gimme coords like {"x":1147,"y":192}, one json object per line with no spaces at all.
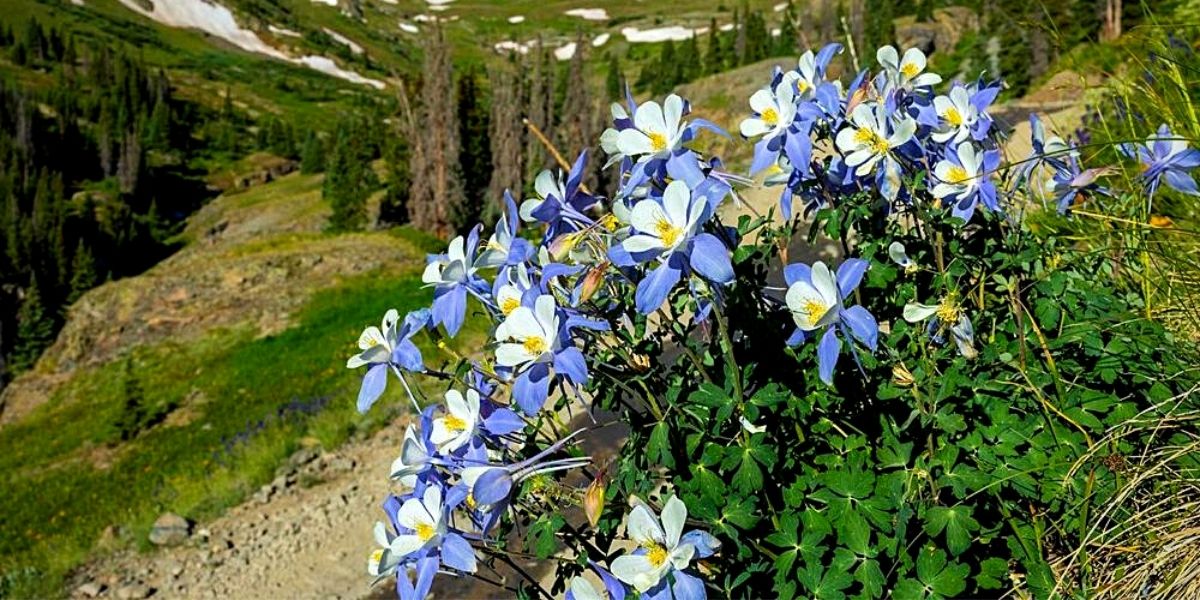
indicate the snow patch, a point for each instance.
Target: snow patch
{"x":516,"y":19}
{"x":332,"y":3}
{"x":780,"y":7}
{"x":77,"y":2}
{"x":675,"y":33}
{"x":283,"y":31}
{"x":588,"y":14}
{"x":565,"y":52}
{"x":433,"y":3}
{"x":726,"y":27}
{"x":510,"y":46}
{"x":425,"y":18}
{"x":343,"y":40}
{"x":218,"y":21}
{"x":600,"y":40}
{"x":327,"y":66}
{"x":439,"y":7}
{"x":409,"y":28}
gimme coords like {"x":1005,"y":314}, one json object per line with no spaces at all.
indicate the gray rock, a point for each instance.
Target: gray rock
{"x":302,"y":457}
{"x":91,"y":589}
{"x":170,"y":529}
{"x":135,"y":591}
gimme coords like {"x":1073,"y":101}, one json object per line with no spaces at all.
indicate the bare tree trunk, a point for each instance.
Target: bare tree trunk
{"x":437,"y":192}
{"x":507,"y":141}
{"x":576,"y":132}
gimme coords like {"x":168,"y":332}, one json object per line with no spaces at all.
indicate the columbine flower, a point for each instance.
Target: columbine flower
{"x":815,"y":297}
{"x":560,"y":204}
{"x":908,"y":72}
{"x":1166,"y":158}
{"x":385,"y":561}
{"x":452,"y":276}
{"x":1069,"y":185}
{"x":656,"y":131}
{"x":424,"y":531}
{"x":531,"y":345}
{"x":810,"y":71}
{"x":899,"y":255}
{"x":872,"y":137}
{"x":490,"y":485}
{"x":1052,"y":151}
{"x":947,"y":315}
{"x":956,"y":116}
{"x":415,"y":458}
{"x":773,"y":112}
{"x":668,"y":232}
{"x":964,"y":177}
{"x":504,"y":248}
{"x":454,"y":429}
{"x":663,"y":550}
{"x":384,"y":347}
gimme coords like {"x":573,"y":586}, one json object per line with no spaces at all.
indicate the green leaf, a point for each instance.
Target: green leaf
{"x":749,"y":476}
{"x":871,"y":577}
{"x":956,"y":522}
{"x":855,"y":532}
{"x":657,"y":448}
{"x":992,"y":573}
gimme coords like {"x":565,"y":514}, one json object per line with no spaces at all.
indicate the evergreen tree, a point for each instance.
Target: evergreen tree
{"x":476,"y":155}
{"x":739,"y":37}
{"x":789,"y":38}
{"x":345,"y":188}
{"x":691,"y":61}
{"x":713,"y":57}
{"x":35,"y":328}
{"x":613,"y":88}
{"x":312,"y":157}
{"x":83,"y":273}
{"x":393,"y":210}
{"x":134,"y":414}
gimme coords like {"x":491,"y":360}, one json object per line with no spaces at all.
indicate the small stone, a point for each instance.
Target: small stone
{"x":135,"y":591}
{"x":302,"y":457}
{"x":170,"y":529}
{"x":91,"y":589}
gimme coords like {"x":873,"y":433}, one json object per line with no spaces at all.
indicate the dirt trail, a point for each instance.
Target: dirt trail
{"x":289,"y":541}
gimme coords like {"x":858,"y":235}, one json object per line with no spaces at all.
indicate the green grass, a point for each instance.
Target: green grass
{"x":66,"y":476}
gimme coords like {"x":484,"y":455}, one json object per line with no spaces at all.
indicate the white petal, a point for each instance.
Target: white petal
{"x":646,"y":216}
{"x":545,"y":185}
{"x":753,"y":126}
{"x":649,"y":118}
{"x":527,"y":208}
{"x":943,"y":190}
{"x":674,"y":515}
{"x":412,"y":513}
{"x":512,"y":355}
{"x":633,"y":570}
{"x":439,"y":434}
{"x":433,"y":501}
{"x":404,"y":545}
{"x":522,"y":324}
{"x":472,"y":406}
{"x":888,"y":57}
{"x":799,"y":297}
{"x":582,"y":590}
{"x":846,"y":141}
{"x":381,"y":535}
{"x":918,"y":312}
{"x":545,"y":310}
{"x":672,"y":114}
{"x":457,"y":250}
{"x":432,"y":273}
{"x":634,"y":142}
{"x":681,"y":556}
{"x":457,"y":405}
{"x":676,"y":200}
{"x":643,"y":527}
{"x":825,"y":282}
{"x":639,"y":243}
{"x":914,"y":57}
{"x":762,"y":100}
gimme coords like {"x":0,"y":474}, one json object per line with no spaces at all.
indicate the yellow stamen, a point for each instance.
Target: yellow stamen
{"x":909,"y":70}
{"x":377,"y":556}
{"x":535,"y":346}
{"x":471,"y":501}
{"x":948,"y":311}
{"x":872,"y":139}
{"x":815,"y":310}
{"x":508,"y":305}
{"x":770,"y":117}
{"x":454,"y":423}
{"x":658,"y":141}
{"x":424,"y":531}
{"x":956,"y":175}
{"x":802,"y":85}
{"x":668,"y":233}
{"x":657,"y":555}
{"x":953,"y":117}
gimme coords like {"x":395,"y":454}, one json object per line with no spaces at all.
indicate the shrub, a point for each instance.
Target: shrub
{"x":930,"y":418}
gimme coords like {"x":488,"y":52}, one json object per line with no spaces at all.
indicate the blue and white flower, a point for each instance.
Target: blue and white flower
{"x":663,"y":550}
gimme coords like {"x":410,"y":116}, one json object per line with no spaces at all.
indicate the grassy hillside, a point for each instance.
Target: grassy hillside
{"x":190,"y":408}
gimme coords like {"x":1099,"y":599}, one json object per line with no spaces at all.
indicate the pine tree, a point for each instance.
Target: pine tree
{"x":83,"y":273}
{"x":691,"y":62}
{"x":35,"y":328}
{"x":713,"y":57}
{"x":789,"y":38}
{"x":613,"y":88}
{"x":476,"y":154}
{"x":134,"y":414}
{"x":344,"y":188}
{"x":739,"y":37}
{"x":312,"y":157}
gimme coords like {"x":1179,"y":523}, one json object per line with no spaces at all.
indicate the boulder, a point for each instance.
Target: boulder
{"x":170,"y":529}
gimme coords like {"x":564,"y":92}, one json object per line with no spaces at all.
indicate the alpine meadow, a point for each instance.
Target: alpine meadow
{"x":812,"y":299}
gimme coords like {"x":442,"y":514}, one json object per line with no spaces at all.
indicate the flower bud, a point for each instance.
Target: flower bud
{"x":901,"y":376}
{"x":591,"y":282}
{"x":561,"y":246}
{"x":593,"y":498}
